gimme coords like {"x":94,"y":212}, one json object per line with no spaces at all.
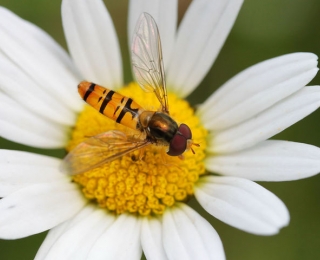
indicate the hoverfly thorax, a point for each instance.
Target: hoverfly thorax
{"x":162,"y":127}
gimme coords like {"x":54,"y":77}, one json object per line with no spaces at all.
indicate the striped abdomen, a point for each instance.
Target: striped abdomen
{"x":119,"y":108}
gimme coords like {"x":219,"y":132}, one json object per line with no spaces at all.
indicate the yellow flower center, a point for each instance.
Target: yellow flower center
{"x":144,"y":181}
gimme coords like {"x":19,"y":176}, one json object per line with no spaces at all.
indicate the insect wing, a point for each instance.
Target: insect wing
{"x":147,"y":62}
{"x":98,"y":150}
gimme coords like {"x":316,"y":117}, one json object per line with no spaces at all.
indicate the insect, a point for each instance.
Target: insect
{"x":157,"y":127}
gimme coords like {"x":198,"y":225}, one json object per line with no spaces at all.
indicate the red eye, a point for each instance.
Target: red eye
{"x":185,"y":131}
{"x":178,"y":145}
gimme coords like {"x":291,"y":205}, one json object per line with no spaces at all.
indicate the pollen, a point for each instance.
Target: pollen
{"x":145,"y":181}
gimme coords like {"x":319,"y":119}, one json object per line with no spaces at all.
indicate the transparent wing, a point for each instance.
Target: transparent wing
{"x":98,"y":150}
{"x":147,"y":63}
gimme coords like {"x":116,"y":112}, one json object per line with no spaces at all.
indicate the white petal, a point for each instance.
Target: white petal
{"x":11,"y":157}
{"x":256,"y":89}
{"x":151,"y":239}
{"x":50,"y":239}
{"x":268,"y":123}
{"x":242,"y":204}
{"x":19,"y":125}
{"x":92,"y":41}
{"x":187,"y":235}
{"x":269,"y":161}
{"x":120,"y":241}
{"x":200,"y":37}
{"x":77,"y":241}
{"x":37,"y":208}
{"x":165,"y":13}
{"x":55,"y":233}
{"x":20,"y":87}
{"x":40,"y":57}
{"x":21,"y":169}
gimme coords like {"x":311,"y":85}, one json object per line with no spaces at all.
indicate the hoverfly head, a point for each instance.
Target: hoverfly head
{"x":181,"y":141}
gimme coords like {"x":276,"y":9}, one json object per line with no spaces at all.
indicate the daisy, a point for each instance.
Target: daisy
{"x":130,"y":205}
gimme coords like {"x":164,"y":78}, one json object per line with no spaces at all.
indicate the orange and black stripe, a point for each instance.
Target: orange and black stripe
{"x":115,"y":106}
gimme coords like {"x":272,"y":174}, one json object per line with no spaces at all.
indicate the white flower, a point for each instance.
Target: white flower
{"x":39,"y":104}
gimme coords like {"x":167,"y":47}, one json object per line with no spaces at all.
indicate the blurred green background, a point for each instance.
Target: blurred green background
{"x":264,"y":29}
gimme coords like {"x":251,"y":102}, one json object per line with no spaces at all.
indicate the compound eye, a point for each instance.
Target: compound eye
{"x":185,"y":131}
{"x":177,"y":145}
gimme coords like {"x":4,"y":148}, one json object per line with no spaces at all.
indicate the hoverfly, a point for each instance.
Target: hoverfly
{"x":157,"y":127}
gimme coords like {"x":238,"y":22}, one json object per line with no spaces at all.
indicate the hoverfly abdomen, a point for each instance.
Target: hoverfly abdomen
{"x":115,"y":106}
